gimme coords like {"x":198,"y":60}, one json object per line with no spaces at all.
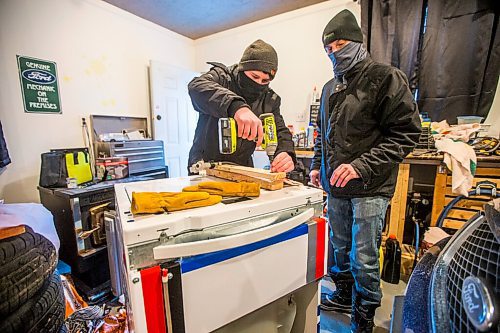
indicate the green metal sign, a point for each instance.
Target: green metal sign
{"x":39,"y":85}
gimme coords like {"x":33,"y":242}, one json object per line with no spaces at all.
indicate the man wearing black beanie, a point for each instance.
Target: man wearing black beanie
{"x":242,"y":92}
{"x":368,"y":122}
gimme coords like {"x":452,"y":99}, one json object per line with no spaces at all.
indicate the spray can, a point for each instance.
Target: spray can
{"x":310,"y":137}
{"x":315,"y":96}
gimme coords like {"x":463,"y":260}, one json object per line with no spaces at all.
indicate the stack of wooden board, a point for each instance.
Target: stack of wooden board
{"x":266,"y":179}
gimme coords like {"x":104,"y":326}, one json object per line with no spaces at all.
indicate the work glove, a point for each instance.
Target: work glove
{"x":227,"y":189}
{"x":159,"y":202}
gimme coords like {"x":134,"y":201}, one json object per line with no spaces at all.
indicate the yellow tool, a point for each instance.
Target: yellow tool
{"x":270,"y":142}
{"x":228,"y":135}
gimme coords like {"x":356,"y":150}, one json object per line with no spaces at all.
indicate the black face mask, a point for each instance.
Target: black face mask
{"x":249,"y":89}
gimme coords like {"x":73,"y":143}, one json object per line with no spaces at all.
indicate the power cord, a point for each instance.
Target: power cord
{"x":88,"y":143}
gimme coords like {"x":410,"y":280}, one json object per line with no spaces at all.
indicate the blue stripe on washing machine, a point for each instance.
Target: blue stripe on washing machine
{"x":199,"y":261}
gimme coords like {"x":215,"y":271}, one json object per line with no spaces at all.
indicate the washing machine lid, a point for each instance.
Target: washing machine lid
{"x":145,"y":228}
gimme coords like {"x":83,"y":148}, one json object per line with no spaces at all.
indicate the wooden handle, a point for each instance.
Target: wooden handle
{"x":12,"y":231}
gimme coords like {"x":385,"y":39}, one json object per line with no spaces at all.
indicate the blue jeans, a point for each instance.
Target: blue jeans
{"x":356,"y":233}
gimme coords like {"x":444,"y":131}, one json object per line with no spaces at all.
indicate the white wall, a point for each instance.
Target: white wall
{"x":102,"y":55}
{"x":494,"y":116}
{"x":296,"y":36}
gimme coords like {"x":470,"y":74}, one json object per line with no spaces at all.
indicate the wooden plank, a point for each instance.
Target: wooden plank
{"x":453,"y":224}
{"x":398,"y":203}
{"x":439,"y":194}
{"x":254,"y":172}
{"x":460,"y":214}
{"x":304,"y":153}
{"x":476,"y":180}
{"x":489,"y":172}
{"x":12,"y":231}
{"x":467,"y":203}
{"x":264,"y":183}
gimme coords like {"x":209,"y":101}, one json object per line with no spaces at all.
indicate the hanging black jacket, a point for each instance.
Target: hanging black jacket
{"x":4,"y":153}
{"x":215,"y":95}
{"x":372,"y":124}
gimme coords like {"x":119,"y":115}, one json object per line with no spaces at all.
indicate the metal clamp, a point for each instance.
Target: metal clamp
{"x":201,"y":166}
{"x":485,"y":185}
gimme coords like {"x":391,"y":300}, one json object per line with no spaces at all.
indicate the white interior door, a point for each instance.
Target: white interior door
{"x":174,"y":119}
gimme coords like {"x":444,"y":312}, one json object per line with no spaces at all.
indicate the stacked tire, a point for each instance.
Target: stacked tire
{"x":31,"y":294}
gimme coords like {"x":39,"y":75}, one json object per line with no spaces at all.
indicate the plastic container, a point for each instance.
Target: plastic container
{"x":484,"y":130}
{"x":469,"y":120}
{"x":392,"y":260}
{"x":71,"y":182}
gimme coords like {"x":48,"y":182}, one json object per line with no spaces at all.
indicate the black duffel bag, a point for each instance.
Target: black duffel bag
{"x":59,"y":164}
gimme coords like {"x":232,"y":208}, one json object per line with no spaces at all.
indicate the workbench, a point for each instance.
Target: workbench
{"x":488,"y":168}
{"x":304,"y":154}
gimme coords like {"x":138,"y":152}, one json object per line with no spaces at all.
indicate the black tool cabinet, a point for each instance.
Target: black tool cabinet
{"x":79,"y":219}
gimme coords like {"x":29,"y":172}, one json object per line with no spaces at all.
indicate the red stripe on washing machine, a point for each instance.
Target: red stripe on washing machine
{"x":320,"y":247}
{"x":153,"y":299}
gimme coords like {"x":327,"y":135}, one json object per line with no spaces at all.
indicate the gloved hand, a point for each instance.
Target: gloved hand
{"x":159,"y":202}
{"x":227,"y":189}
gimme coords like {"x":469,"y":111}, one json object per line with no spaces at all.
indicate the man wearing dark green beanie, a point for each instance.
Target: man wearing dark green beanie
{"x":368,"y":123}
{"x":242,"y":92}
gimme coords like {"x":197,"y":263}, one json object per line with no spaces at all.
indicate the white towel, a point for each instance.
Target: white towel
{"x":461,"y":132}
{"x":31,"y":214}
{"x":461,"y":159}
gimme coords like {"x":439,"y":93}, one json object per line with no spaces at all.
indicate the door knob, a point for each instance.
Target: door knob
{"x":158,"y":117}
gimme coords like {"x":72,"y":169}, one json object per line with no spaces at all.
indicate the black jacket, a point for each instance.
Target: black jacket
{"x":4,"y":153}
{"x":215,"y":95}
{"x":371,"y":124}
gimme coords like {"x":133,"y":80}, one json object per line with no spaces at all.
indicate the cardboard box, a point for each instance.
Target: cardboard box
{"x":112,"y":168}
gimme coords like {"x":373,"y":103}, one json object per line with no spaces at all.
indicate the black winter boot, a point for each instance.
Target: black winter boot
{"x":340,"y":300}
{"x":362,"y":317}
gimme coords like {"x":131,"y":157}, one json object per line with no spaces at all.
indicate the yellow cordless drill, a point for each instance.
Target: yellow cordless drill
{"x":228,"y":135}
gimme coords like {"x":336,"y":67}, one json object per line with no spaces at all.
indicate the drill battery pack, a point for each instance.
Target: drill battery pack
{"x":227,"y":135}
{"x":269,"y":127}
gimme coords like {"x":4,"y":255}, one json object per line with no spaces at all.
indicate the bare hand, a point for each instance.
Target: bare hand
{"x":282,"y":163}
{"x":314,"y":176}
{"x":249,"y":125}
{"x":342,"y":175}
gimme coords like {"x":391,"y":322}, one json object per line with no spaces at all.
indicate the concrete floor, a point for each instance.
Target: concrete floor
{"x":340,"y":323}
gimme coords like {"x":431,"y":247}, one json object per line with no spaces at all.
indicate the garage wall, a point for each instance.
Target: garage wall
{"x":102,"y":55}
{"x":494,"y":115}
{"x":296,"y":36}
